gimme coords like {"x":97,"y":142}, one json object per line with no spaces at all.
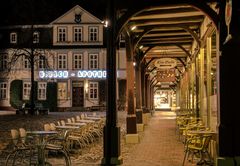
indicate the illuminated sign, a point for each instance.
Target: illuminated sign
{"x":67,"y":74}
{"x":165,"y":63}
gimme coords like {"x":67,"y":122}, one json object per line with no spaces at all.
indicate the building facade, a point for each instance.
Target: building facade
{"x":69,"y":57}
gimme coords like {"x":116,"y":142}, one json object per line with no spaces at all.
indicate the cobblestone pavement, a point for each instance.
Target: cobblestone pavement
{"x":159,"y":144}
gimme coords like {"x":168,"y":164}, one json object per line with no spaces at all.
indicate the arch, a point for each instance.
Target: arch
{"x":136,"y":9}
{"x":149,"y":29}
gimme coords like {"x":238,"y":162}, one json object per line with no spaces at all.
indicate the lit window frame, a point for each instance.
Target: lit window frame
{"x":36,"y":37}
{"x":62,"y":61}
{"x":93,"y":90}
{"x":26,"y":63}
{"x":77,"y":61}
{"x":42,"y":63}
{"x":93,"y":61}
{"x":42,"y":90}
{"x":26,"y":90}
{"x":78,"y":34}
{"x":3,"y":90}
{"x":3,"y":61}
{"x":93,"y":34}
{"x":13,"y":37}
{"x":62,"y":34}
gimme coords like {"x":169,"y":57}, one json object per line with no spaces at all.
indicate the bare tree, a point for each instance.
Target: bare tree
{"x":34,"y":57}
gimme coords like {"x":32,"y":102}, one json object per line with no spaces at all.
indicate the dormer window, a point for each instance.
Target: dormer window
{"x":13,"y":37}
{"x":62,"y":34}
{"x":36,"y":36}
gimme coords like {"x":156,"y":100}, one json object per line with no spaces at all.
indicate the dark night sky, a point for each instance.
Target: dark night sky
{"x":15,"y":12}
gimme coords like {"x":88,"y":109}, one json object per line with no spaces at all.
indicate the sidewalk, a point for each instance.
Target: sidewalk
{"x":160,"y":145}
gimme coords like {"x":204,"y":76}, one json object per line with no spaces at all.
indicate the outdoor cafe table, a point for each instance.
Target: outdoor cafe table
{"x":41,"y":143}
{"x":93,"y":118}
{"x":201,"y":132}
{"x":76,"y":124}
{"x":85,"y":121}
{"x":65,"y":129}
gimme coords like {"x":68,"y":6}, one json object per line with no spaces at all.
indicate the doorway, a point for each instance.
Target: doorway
{"x":77,"y":94}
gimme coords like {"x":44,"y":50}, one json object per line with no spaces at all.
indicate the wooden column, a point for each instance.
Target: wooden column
{"x":112,"y":151}
{"x":138,"y":93}
{"x":131,"y":109}
{"x":229,"y":127}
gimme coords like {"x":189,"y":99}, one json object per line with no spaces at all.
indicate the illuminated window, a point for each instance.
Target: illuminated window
{"x":3,"y":90}
{"x":62,"y":34}
{"x":42,"y":62}
{"x":77,"y":34}
{"x":26,"y":90}
{"x":3,"y":61}
{"x":77,"y":60}
{"x":62,"y":61}
{"x":93,"y":90}
{"x":36,"y":36}
{"x":42,"y":90}
{"x":62,"y":90}
{"x":93,"y":34}
{"x":13,"y":37}
{"x":93,"y":61}
{"x":26,"y":63}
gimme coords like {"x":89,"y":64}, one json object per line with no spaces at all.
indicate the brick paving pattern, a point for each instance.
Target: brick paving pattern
{"x":159,"y":145}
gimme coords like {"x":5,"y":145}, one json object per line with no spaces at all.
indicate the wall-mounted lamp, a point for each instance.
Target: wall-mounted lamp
{"x":133,"y":27}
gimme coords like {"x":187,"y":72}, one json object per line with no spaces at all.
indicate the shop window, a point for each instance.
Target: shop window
{"x":93,"y":90}
{"x":3,"y":90}
{"x":26,"y":90}
{"x":62,"y":90}
{"x":42,"y":90}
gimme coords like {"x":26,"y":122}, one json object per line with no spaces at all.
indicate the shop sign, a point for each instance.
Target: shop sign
{"x":165,"y":63}
{"x":64,"y":74}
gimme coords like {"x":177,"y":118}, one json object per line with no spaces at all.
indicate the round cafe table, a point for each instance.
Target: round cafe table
{"x":41,"y":143}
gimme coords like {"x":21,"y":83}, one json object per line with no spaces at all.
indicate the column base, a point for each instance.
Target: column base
{"x":112,"y":150}
{"x":132,"y":138}
{"x":228,"y":161}
{"x":140,"y":127}
{"x":113,"y":160}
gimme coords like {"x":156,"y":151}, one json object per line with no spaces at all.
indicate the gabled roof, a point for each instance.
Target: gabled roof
{"x":69,"y":16}
{"x":40,"y":12}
